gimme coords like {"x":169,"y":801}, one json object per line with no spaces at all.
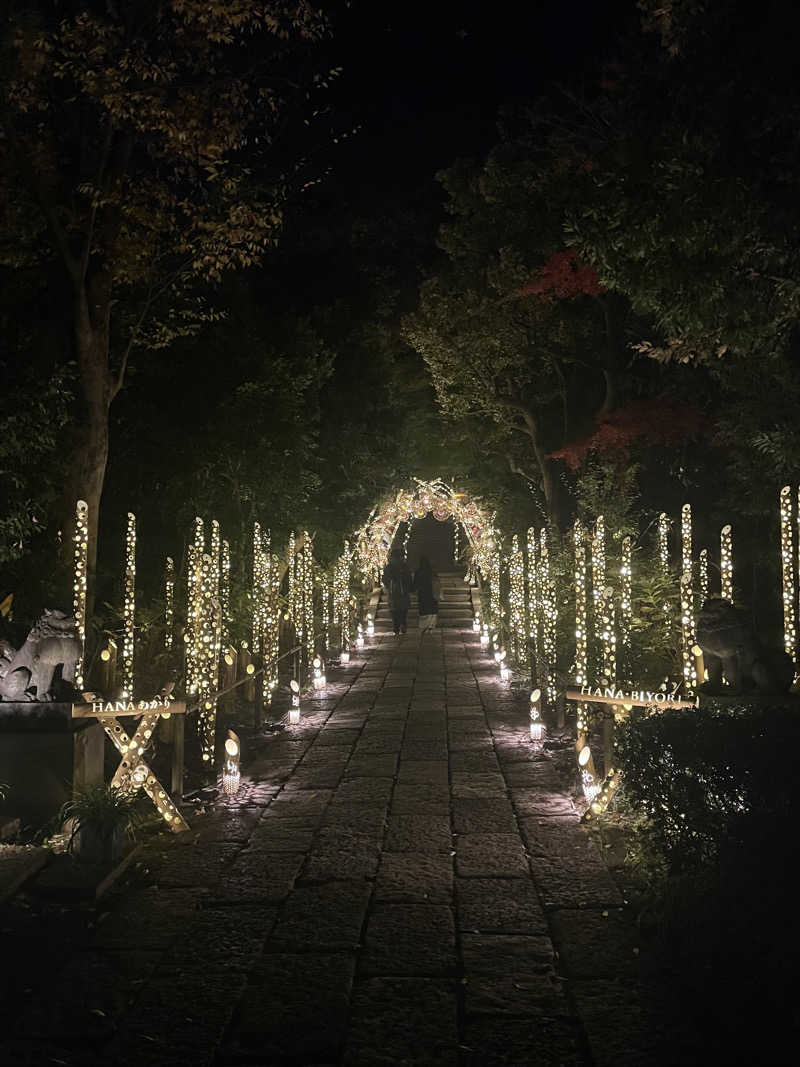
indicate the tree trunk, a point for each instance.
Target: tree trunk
{"x":92,"y":307}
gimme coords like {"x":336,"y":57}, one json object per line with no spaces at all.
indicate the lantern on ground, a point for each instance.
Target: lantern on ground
{"x":537,"y":726}
{"x":370,"y":626}
{"x":294,"y":710}
{"x":344,"y":656}
{"x":485,"y":636}
{"x":476,"y":624}
{"x":319,"y":674}
{"x":590,"y":786}
{"x":359,"y":637}
{"x":231,"y":774}
{"x":505,"y":671}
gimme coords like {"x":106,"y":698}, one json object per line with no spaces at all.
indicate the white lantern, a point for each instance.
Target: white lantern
{"x":345,"y":656}
{"x":294,"y":710}
{"x":476,"y":624}
{"x":485,"y":636}
{"x":537,"y":726}
{"x":370,"y":626}
{"x":231,"y":774}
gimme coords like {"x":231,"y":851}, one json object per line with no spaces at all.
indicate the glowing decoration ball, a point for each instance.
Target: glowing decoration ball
{"x":231,"y":775}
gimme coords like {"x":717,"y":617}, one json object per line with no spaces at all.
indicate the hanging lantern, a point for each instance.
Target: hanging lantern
{"x":231,"y":774}
{"x":537,"y":726}
{"x":294,"y":710}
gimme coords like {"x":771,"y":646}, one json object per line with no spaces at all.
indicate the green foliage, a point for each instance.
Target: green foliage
{"x":706,"y":778}
{"x":36,"y":412}
{"x":101,"y":810}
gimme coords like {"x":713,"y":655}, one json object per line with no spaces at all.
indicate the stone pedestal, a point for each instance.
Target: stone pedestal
{"x":45,"y":754}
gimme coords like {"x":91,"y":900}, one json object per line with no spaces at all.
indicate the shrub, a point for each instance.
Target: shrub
{"x":709,"y":778}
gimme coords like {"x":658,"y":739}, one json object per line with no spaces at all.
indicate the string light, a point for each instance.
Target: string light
{"x":726,"y":563}
{"x":225,"y":592}
{"x":663,"y":564}
{"x":687,"y":602}
{"x":581,"y":624}
{"x":129,"y":607}
{"x":598,"y":559}
{"x":194,"y":608}
{"x":308,"y":597}
{"x":703,"y":575}
{"x":325,"y":595}
{"x":272,"y":635}
{"x":549,"y":617}
{"x":626,"y":605}
{"x":169,"y":601}
{"x":456,"y":547}
{"x":207,"y":660}
{"x":516,"y":600}
{"x":534,"y":600}
{"x":81,"y":539}
{"x":787,"y":572}
{"x":495,"y":604}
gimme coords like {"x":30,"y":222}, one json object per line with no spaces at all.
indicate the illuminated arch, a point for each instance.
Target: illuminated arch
{"x":444,"y":502}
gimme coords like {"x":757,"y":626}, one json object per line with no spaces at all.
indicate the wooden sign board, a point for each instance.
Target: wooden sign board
{"x":112,"y":709}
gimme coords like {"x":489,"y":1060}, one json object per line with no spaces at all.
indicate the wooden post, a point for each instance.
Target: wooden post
{"x":88,"y":742}
{"x":108,"y":670}
{"x":176,"y":779}
{"x":227,"y":703}
{"x":608,"y":741}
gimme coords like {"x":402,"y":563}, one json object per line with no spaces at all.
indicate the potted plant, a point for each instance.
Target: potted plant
{"x":99,"y":818}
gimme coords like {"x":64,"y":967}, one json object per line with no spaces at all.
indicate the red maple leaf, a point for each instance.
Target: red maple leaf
{"x":563,"y":276}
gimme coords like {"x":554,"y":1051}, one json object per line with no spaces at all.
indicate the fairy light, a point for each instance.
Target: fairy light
{"x":598,"y":559}
{"x":549,"y":617}
{"x":663,"y":566}
{"x":292,"y":590}
{"x":456,"y":546}
{"x":169,"y":601}
{"x":81,"y":539}
{"x":129,"y":608}
{"x":225,"y":591}
{"x":207,"y":661}
{"x":581,"y":623}
{"x":516,"y":600}
{"x":308,"y":597}
{"x":687,"y":602}
{"x":703,"y":575}
{"x":215,"y":602}
{"x":341,"y":599}
{"x":194,"y":608}
{"x":787,"y":572}
{"x":625,"y":605}
{"x":325,"y":604}
{"x":495,"y":606}
{"x":534,"y":600}
{"x":726,"y":563}
{"x":273,"y":622}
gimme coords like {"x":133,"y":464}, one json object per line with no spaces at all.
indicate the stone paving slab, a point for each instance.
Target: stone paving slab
{"x":399,"y":882}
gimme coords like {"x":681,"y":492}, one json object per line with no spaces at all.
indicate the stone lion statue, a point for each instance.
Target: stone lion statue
{"x":731,"y":650}
{"x":27,"y":674}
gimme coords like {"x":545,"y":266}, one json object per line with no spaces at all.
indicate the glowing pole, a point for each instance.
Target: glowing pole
{"x":625,"y":607}
{"x":495,"y":607}
{"x":272,"y":639}
{"x":194,"y":608}
{"x":225,"y":591}
{"x":207,"y":660}
{"x":687,"y":602}
{"x":79,"y":584}
{"x":516,"y":600}
{"x":703,"y":575}
{"x":663,"y":563}
{"x":550,"y":617}
{"x":726,"y":563}
{"x":215,"y":603}
{"x":128,"y":609}
{"x":581,"y":623}
{"x":787,"y":573}
{"x":599,"y":588}
{"x":169,"y":601}
{"x":533,"y":604}
{"x":308,"y":597}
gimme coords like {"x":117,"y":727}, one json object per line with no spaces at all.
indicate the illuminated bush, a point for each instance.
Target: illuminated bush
{"x":706,"y":778}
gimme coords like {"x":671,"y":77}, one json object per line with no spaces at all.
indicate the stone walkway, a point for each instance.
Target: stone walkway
{"x":399,"y":882}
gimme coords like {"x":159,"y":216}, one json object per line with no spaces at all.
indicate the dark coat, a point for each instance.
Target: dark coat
{"x":397,"y":583}
{"x":423,"y":583}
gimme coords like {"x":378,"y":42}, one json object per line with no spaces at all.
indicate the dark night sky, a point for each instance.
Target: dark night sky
{"x":424,"y":81}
